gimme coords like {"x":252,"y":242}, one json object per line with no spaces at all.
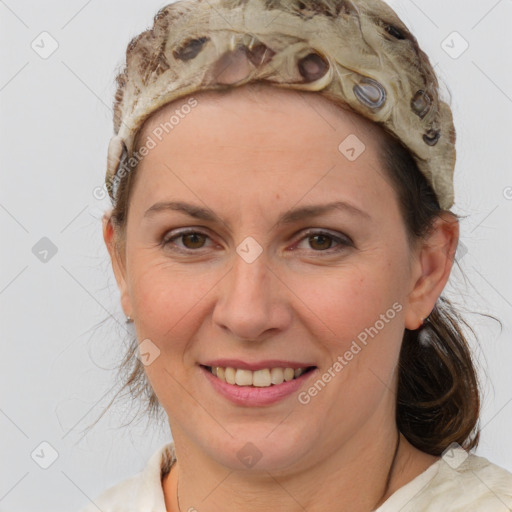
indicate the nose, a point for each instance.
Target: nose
{"x":252,"y":301}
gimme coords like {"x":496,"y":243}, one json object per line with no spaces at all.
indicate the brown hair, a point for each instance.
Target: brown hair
{"x":438,"y":399}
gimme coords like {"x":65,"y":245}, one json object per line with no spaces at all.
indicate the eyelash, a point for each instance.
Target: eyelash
{"x":343,"y":242}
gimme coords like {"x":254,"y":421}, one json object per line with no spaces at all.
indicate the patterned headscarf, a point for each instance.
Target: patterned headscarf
{"x":354,"y":52}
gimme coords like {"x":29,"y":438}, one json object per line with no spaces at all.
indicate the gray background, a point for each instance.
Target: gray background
{"x":55,"y":123}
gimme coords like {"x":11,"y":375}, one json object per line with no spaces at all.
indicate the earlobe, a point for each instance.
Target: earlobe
{"x":118,"y":263}
{"x":432,"y":269}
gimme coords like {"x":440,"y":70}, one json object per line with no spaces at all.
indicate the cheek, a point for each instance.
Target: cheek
{"x":166,"y":298}
{"x":349,"y":300}
{"x":170,"y":301}
{"x":167,"y":304}
{"x":357,"y":324}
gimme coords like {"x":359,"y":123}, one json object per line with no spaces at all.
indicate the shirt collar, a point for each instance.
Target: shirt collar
{"x":148,"y":494}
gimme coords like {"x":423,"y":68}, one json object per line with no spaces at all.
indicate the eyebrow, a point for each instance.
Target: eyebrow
{"x":288,"y":217}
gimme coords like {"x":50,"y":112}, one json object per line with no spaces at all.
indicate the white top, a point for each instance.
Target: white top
{"x":460,"y":483}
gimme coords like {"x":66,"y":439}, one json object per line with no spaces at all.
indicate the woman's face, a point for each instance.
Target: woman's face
{"x":298,"y":258}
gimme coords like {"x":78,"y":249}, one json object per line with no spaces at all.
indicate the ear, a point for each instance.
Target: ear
{"x":118,"y":262}
{"x":431,"y":269}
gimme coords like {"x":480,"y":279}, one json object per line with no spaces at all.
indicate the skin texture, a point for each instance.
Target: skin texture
{"x":251,"y":155}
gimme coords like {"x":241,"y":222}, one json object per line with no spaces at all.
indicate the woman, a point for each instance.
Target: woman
{"x":281,"y":177}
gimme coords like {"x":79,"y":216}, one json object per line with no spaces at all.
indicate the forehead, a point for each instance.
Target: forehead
{"x":250,"y":140}
{"x":263,"y":102}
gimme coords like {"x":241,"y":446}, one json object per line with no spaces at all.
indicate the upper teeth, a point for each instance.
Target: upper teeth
{"x":259,"y":378}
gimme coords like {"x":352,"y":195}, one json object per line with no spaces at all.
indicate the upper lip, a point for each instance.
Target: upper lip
{"x":256,"y":365}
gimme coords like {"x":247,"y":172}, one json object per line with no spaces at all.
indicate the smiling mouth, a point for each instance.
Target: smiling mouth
{"x":259,"y":378}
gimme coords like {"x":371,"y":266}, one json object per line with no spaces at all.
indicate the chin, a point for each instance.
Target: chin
{"x":269,"y":447}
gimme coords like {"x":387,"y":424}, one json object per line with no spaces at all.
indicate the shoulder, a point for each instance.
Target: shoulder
{"x":142,"y":492}
{"x":466,"y":482}
{"x":114,"y":498}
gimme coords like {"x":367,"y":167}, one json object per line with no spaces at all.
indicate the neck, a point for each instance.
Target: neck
{"x":356,"y":479}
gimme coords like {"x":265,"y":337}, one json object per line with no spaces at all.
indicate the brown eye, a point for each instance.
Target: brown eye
{"x":320,"y":242}
{"x":193,"y":240}
{"x":188,"y":241}
{"x":323,"y":241}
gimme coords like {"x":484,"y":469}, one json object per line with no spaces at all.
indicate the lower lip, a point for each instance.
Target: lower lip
{"x":254,"y":396}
